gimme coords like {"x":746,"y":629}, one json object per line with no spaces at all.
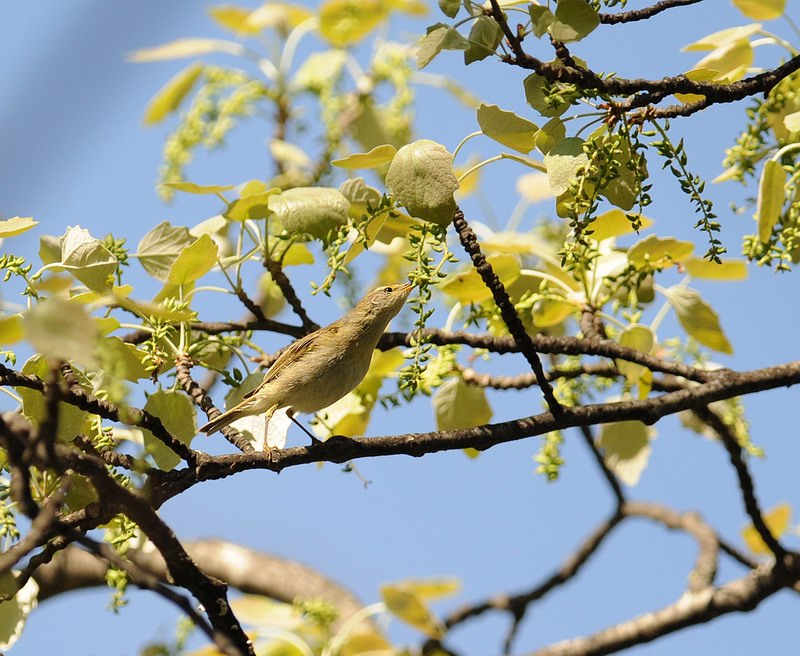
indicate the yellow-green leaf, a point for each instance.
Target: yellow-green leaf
{"x":459,"y":405}
{"x":433,"y":588}
{"x":176,"y":412}
{"x":468,"y":287}
{"x":563,"y":162}
{"x":659,"y":251}
{"x":289,"y":155}
{"x":170,"y":96}
{"x":378,"y":156}
{"x":310,"y":210}
{"x":186,"y":48}
{"x":550,"y":134}
{"x":87,"y":259}
{"x":549,"y":312}
{"x":507,"y":128}
{"x":160,"y":247}
{"x":15,"y":611}
{"x":723,"y":37}
{"x":626,"y":449}
{"x":484,"y":37}
{"x":234,"y":18}
{"x":422,"y":180}
{"x":122,"y":360}
{"x":574,"y":19}
{"x":192,"y":188}
{"x":195,"y":261}
{"x":534,"y":187}
{"x":770,"y":198}
{"x":792,"y":122}
{"x":16,"y":226}
{"x":345,"y":22}
{"x":614,"y":223}
{"x":777,"y":520}
{"x":638,"y":337}
{"x":278,"y":15}
{"x":253,"y":202}
{"x":62,"y":330}
{"x":410,"y":607}
{"x":698,"y":318}
{"x":761,"y":9}
{"x":724,"y":270}
{"x":11,"y":330}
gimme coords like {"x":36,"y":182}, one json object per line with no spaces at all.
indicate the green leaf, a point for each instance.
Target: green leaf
{"x":614,"y":223}
{"x":62,"y":330}
{"x":233,"y":18}
{"x":626,"y":448}
{"x":11,"y":329}
{"x":574,"y":19}
{"x":770,"y":198}
{"x":122,"y":360}
{"x":14,"y":612}
{"x":459,"y":405}
{"x":177,"y":414}
{"x":659,"y":251}
{"x":50,"y":249}
{"x":541,"y":19}
{"x":698,"y":318}
{"x":422,"y":180}
{"x":724,"y":270}
{"x":441,"y":37}
{"x":550,"y":134}
{"x":507,"y":128}
{"x":310,"y":210}
{"x":638,"y":337}
{"x":484,"y":37}
{"x":450,"y":7}
{"x":290,"y":156}
{"x":70,"y":417}
{"x":160,"y":247}
{"x":320,"y":70}
{"x":346,"y":22}
{"x":195,"y":261}
{"x":468,"y":287}
{"x":378,"y":156}
{"x":549,"y":312}
{"x":16,"y":226}
{"x":761,"y":9}
{"x":253,"y":202}
{"x":186,"y":48}
{"x":563,"y":162}
{"x":723,"y":37}
{"x":409,"y":606}
{"x":170,"y":96}
{"x":192,"y":188}
{"x":547,"y":104}
{"x":87,"y":259}
{"x":433,"y":588}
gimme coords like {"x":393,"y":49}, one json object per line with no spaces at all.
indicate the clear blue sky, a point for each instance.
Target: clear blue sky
{"x":75,"y":152}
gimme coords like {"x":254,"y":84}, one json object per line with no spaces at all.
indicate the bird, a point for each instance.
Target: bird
{"x":319,"y":369}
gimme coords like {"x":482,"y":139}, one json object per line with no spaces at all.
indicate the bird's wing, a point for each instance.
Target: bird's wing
{"x":296,"y":351}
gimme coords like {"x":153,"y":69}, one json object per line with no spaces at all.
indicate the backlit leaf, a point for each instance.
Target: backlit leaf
{"x":541,"y":19}
{"x":723,"y":37}
{"x":310,"y":210}
{"x":574,"y":19}
{"x":176,"y":412}
{"x":698,"y":318}
{"x":233,"y":18}
{"x":459,"y":405}
{"x":507,"y":128}
{"x":724,"y":270}
{"x":441,"y":37}
{"x":11,"y":330}
{"x":761,"y":9}
{"x":770,"y":198}
{"x":614,"y":223}
{"x":536,"y":88}
{"x":253,"y":202}
{"x":160,"y":247}
{"x":410,"y":607}
{"x":626,"y":449}
{"x":194,"y":261}
{"x":192,"y":188}
{"x":659,"y":251}
{"x":550,"y":134}
{"x":87,"y":259}
{"x":434,"y":588}
{"x":484,"y":37}
{"x":15,"y":611}
{"x":563,"y":162}
{"x":170,"y":96}
{"x":16,"y":226}
{"x":422,"y":180}
{"x":777,"y":520}
{"x":638,"y":337}
{"x":62,"y":330}
{"x":376,"y":157}
{"x":345,"y":22}
{"x":468,"y":287}
{"x":186,"y":48}
{"x":534,"y":187}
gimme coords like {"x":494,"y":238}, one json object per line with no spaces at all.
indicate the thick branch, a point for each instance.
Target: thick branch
{"x":645,"y":12}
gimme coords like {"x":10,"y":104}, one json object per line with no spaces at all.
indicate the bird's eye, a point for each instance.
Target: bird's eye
{"x":387,"y":289}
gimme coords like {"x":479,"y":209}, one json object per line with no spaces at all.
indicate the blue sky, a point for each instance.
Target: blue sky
{"x":75,"y":152}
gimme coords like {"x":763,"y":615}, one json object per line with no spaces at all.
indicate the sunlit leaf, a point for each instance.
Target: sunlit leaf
{"x":541,"y":19}
{"x":550,"y":134}
{"x":724,"y":270}
{"x":16,"y":226}
{"x":761,"y":9}
{"x":563,"y":162}
{"x":345,"y":22}
{"x":433,"y":588}
{"x":549,"y":312}
{"x":614,"y":223}
{"x":777,"y":520}
{"x":177,"y":414}
{"x":186,"y":48}
{"x":507,"y":128}
{"x":574,"y":20}
{"x":194,"y":261}
{"x":535,"y":94}
{"x":15,"y":611}
{"x":698,"y":318}
{"x":192,"y":188}
{"x":534,"y":187}
{"x":11,"y":329}
{"x":277,"y":15}
{"x":87,"y":259}
{"x":62,"y":330}
{"x":310,"y":210}
{"x":170,"y":96}
{"x":770,"y":198}
{"x":320,"y":70}
{"x":484,"y":37}
{"x":468,"y":287}
{"x":792,"y":122}
{"x":289,"y":155}
{"x":638,"y":337}
{"x":378,"y":156}
{"x":441,"y":37}
{"x":410,"y":607}
{"x":459,"y":405}
{"x":121,"y":359}
{"x":449,"y":7}
{"x":160,"y":247}
{"x":253,"y":202}
{"x":626,"y":449}
{"x":723,"y":37}
{"x":422,"y":180}
{"x":233,"y":18}
{"x":659,"y":251}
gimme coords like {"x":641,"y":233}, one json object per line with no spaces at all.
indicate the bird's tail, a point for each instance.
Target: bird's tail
{"x":225,"y":419}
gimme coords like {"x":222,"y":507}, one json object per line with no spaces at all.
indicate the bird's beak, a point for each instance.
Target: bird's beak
{"x":407,"y":287}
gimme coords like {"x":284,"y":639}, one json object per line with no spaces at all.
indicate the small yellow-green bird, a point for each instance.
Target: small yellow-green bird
{"x":322,"y":367}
